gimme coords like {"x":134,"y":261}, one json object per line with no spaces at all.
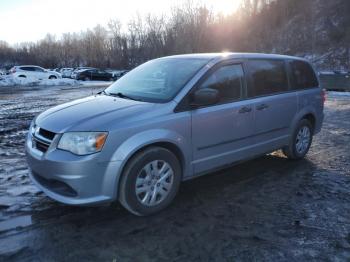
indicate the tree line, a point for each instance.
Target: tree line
{"x":278,"y":26}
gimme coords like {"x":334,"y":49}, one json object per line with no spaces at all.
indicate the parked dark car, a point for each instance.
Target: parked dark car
{"x":121,"y":73}
{"x":94,"y":74}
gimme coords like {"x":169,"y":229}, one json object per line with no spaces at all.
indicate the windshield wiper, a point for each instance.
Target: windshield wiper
{"x":103,"y":92}
{"x":121,"y":95}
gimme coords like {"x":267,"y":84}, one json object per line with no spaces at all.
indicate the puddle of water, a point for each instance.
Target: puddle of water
{"x":21,"y":221}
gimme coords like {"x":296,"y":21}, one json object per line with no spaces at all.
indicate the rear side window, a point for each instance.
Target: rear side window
{"x":267,"y":77}
{"x":302,"y":75}
{"x":38,"y":69}
{"x":228,"y":80}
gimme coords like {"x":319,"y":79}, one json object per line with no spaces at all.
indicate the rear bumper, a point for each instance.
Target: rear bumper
{"x":71,"y":179}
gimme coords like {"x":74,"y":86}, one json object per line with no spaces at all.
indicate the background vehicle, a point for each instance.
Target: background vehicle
{"x":34,"y":71}
{"x":172,"y":119}
{"x":66,"y":72}
{"x":93,"y":74}
{"x":121,"y":73}
{"x":74,"y":73}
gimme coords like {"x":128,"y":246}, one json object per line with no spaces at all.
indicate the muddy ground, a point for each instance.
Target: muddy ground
{"x":263,"y":210}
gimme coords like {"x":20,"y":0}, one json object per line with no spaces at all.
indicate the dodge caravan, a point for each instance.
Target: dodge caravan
{"x":173,"y":119}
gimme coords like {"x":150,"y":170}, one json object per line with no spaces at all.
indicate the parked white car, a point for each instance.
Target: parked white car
{"x":31,"y":71}
{"x":66,"y":72}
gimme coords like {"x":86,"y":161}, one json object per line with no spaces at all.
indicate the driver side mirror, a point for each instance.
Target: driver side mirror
{"x":205,"y":97}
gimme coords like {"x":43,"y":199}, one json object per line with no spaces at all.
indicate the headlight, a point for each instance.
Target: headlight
{"x":32,"y":127}
{"x":82,"y":143}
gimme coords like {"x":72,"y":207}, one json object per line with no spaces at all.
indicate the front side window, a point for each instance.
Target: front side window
{"x":157,"y":80}
{"x":267,"y":77}
{"x":303,"y":76}
{"x":228,"y":81}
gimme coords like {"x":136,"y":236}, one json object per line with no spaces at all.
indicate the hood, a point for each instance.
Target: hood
{"x":94,"y":113}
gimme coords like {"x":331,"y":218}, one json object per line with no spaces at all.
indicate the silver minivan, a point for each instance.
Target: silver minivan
{"x":173,"y":119}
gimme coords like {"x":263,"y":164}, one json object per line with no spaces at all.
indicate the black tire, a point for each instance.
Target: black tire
{"x":22,"y":76}
{"x":127,"y":192}
{"x":291,"y":151}
{"x":53,"y":77}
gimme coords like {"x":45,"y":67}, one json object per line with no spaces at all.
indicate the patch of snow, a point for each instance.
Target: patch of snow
{"x":95,"y":83}
{"x":326,"y":73}
{"x":6,"y":201}
{"x":22,"y":190}
{"x":9,"y":81}
{"x":338,"y":94}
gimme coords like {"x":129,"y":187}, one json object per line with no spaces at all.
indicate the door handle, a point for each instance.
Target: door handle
{"x":262,"y":107}
{"x":245,"y":110}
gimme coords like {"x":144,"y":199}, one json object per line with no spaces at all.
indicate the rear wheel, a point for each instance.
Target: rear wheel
{"x":22,"y":76}
{"x":150,"y":181}
{"x":300,"y":142}
{"x":53,"y":77}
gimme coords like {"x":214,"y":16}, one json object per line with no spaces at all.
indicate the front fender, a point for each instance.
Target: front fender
{"x":149,"y":137}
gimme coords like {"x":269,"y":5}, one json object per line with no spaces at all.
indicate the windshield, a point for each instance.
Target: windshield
{"x":157,"y":80}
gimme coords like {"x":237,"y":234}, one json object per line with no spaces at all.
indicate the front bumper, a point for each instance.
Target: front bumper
{"x":72,"y":179}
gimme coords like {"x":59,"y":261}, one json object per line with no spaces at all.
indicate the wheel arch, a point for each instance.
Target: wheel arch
{"x":306,"y":113}
{"x":164,"y":144}
{"x":311,"y":118}
{"x":161,"y":138}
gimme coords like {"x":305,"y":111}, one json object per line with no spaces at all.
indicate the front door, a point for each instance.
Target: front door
{"x":221,"y":133}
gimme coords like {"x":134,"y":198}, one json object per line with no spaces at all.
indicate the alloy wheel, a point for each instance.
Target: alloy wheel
{"x":303,"y":139}
{"x":154,"y":182}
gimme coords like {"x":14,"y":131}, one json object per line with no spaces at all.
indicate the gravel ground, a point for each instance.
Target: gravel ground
{"x":262,"y":210}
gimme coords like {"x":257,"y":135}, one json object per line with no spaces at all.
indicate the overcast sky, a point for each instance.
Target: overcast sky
{"x":30,"y":20}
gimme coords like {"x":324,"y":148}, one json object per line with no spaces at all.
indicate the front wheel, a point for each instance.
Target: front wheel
{"x":52,"y":77}
{"x":300,"y":142}
{"x":150,"y":181}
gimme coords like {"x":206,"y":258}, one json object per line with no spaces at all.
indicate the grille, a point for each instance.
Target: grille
{"x":42,"y":139}
{"x":40,"y":146}
{"x":46,"y":134}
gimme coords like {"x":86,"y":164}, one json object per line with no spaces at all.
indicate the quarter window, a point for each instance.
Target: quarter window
{"x":303,"y":76}
{"x":267,"y":77}
{"x":228,"y":80}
